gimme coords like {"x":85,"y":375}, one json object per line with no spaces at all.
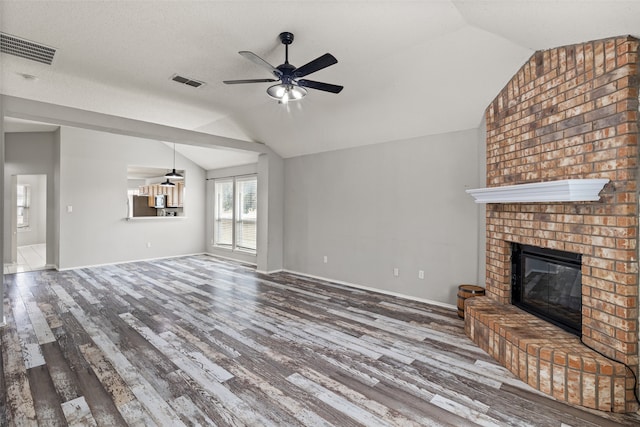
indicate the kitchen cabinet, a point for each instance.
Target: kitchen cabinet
{"x":175,"y":194}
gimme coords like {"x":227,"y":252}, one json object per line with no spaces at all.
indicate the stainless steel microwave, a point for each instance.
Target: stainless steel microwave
{"x":160,"y":201}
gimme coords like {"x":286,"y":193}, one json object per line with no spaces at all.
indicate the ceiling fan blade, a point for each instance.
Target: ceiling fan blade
{"x":236,"y":82}
{"x":317,"y":64}
{"x":327,"y":87}
{"x":261,"y":62}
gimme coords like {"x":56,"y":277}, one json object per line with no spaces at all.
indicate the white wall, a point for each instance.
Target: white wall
{"x":398,"y":204}
{"x":37,"y":231}
{"x":27,"y":154}
{"x":93,"y":181}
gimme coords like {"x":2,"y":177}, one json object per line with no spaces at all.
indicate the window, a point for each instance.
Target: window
{"x":235,"y":213}
{"x":223,"y":213}
{"x":246,"y":210}
{"x":24,"y":201}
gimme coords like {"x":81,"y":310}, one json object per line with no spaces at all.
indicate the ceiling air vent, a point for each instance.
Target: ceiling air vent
{"x":26,"y":49}
{"x":187,"y":81}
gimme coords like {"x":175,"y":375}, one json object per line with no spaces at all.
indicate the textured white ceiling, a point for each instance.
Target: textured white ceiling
{"x":409,"y":68}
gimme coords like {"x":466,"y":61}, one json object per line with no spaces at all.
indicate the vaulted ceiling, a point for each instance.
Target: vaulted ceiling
{"x":409,"y":68}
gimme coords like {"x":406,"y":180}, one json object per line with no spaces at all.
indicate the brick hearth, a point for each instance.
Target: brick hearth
{"x":546,"y":357}
{"x":572,"y":112}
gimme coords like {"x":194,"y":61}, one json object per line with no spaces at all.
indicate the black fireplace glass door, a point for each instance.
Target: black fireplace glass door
{"x":549,"y":285}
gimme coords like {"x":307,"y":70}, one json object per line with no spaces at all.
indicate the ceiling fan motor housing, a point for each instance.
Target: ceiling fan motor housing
{"x":286,"y":37}
{"x":287,"y":72}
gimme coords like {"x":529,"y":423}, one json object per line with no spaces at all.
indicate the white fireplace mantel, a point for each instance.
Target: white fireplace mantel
{"x":566,"y":190}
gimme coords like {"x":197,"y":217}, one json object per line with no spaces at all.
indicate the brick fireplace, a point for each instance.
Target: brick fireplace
{"x":569,"y":113}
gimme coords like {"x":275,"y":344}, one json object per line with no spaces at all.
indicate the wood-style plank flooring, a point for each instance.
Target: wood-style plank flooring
{"x":202,"y":341}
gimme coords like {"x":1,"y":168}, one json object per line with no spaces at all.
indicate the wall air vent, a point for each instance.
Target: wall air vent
{"x":187,"y":81}
{"x":13,"y":45}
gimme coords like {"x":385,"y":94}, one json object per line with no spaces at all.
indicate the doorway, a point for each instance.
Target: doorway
{"x":28,"y":223}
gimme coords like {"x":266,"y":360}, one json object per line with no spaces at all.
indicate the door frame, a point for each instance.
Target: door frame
{"x":14,"y":211}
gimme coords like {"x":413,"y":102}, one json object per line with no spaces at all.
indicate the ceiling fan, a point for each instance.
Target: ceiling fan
{"x":292,"y":85}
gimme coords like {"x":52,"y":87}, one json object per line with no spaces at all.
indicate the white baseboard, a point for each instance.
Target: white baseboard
{"x":129,"y":262}
{"x":270,"y":272}
{"x":339,"y":282}
{"x":380,"y":291}
{"x":230,"y":258}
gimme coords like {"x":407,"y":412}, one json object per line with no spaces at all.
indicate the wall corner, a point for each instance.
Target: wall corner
{"x":271,"y":212}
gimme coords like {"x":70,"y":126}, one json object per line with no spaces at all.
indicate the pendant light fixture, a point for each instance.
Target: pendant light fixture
{"x":173,"y":174}
{"x":167,"y":183}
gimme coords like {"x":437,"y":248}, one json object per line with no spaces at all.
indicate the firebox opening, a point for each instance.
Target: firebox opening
{"x":548,"y":283}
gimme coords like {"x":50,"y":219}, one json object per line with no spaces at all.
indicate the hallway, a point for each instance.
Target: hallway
{"x":30,"y":258}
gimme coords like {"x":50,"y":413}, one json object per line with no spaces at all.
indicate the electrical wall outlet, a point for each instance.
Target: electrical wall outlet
{"x":396,"y":271}
{"x":148,"y":244}
{"x":420,"y":274}
{"x":325,"y":259}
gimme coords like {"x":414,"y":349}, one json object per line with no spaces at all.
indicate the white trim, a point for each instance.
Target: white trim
{"x":566,"y":190}
{"x":130,"y":261}
{"x":145,"y":218}
{"x":380,"y":291}
{"x":270,"y":272}
{"x":326,"y":279}
{"x":228,"y":248}
{"x":42,"y":268}
{"x":231,"y":258}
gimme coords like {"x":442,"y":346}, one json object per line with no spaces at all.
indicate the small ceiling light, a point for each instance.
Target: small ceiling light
{"x":167,"y":183}
{"x":284,"y":93}
{"x":173,"y":174}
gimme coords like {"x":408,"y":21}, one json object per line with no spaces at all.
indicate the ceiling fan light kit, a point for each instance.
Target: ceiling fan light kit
{"x":285,"y":93}
{"x":290,"y":87}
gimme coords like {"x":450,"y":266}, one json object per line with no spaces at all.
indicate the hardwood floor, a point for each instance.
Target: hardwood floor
{"x":202,"y":341}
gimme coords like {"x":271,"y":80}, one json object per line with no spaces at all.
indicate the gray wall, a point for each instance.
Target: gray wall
{"x":394,"y":205}
{"x":27,"y":154}
{"x":2,"y":216}
{"x":93,"y":181}
{"x":53,"y":232}
{"x":271,"y":213}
